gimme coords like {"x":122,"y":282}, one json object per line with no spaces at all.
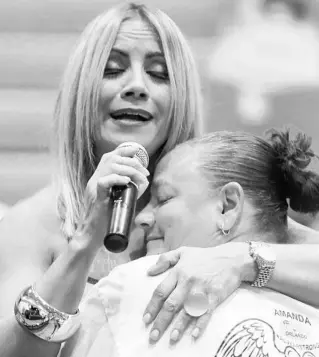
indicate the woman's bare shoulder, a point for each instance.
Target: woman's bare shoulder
{"x":33,"y":224}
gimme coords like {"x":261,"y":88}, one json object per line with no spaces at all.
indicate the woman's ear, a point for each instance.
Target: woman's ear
{"x":231,"y":202}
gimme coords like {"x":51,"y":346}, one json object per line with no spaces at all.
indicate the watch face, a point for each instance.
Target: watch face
{"x":266,"y":253}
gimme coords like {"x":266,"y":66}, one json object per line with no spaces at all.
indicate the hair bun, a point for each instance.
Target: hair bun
{"x":294,"y":154}
{"x":292,"y":158}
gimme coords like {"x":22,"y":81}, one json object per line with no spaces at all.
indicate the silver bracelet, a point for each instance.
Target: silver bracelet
{"x":42,"y":320}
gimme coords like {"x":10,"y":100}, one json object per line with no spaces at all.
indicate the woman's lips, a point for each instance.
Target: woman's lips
{"x":131,"y":114}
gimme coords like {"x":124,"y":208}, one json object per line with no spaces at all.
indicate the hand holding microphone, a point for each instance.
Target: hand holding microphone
{"x":119,"y":180}
{"x":123,"y":203}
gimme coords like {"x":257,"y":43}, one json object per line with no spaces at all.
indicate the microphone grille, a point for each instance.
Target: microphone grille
{"x":141,"y":153}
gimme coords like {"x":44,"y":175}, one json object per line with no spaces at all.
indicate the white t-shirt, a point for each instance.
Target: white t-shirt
{"x":251,"y":323}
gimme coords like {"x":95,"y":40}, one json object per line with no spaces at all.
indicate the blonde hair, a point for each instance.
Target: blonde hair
{"x":76,"y":119}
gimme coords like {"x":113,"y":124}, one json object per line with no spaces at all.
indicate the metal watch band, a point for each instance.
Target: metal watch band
{"x":265,"y":265}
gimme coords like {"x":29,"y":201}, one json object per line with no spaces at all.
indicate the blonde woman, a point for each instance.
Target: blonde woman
{"x":131,"y":77}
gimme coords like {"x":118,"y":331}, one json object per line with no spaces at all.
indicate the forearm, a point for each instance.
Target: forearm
{"x":297,"y":265}
{"x":62,"y":286}
{"x":16,"y":342}
{"x":297,"y":272}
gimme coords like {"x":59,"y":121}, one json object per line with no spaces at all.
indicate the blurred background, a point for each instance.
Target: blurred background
{"x":258,"y":60}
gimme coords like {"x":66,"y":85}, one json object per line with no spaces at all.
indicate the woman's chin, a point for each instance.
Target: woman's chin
{"x":145,"y":134}
{"x":155,"y":247}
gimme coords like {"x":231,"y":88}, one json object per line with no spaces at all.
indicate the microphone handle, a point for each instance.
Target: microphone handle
{"x":123,"y":205}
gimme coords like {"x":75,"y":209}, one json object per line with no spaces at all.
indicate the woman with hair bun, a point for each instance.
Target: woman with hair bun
{"x":273,"y":181}
{"x":242,"y":182}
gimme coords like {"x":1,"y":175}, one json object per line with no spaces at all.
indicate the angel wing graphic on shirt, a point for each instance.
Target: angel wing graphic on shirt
{"x":254,"y":338}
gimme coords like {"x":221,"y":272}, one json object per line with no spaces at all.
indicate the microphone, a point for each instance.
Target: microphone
{"x":123,"y":203}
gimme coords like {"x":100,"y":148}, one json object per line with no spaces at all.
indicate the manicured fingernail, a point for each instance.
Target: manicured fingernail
{"x":152,"y":269}
{"x":195,"y":333}
{"x":175,"y":335}
{"x":154,"y":335}
{"x":147,"y":318}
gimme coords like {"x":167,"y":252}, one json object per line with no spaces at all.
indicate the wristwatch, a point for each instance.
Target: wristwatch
{"x":265,"y":260}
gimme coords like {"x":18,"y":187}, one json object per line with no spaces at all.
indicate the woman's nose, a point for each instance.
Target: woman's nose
{"x":136,"y":87}
{"x":145,"y":219}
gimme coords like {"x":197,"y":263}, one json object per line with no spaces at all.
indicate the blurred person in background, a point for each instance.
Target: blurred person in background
{"x":241,"y":182}
{"x":3,"y":209}
{"x":131,"y":77}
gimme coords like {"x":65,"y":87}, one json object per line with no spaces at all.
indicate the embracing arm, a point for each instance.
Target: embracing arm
{"x":25,"y":259}
{"x":297,"y":272}
{"x":297,"y":267}
{"x":67,"y":276}
{"x":219,"y":271}
{"x":26,"y":254}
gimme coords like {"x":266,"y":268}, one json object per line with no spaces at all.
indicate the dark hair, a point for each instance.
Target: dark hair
{"x":269,"y":171}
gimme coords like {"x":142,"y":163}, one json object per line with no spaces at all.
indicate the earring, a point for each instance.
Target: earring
{"x":224,"y":231}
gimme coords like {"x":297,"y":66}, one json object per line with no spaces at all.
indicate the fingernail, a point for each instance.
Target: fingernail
{"x":175,"y":335}
{"x":195,"y":333}
{"x":147,"y":318}
{"x":154,"y":335}
{"x":152,"y":269}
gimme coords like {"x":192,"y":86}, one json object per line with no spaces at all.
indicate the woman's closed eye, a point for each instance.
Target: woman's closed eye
{"x":113,"y":72}
{"x":161,"y":200}
{"x":158,"y":75}
{"x":113,"y":68}
{"x":158,"y":71}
